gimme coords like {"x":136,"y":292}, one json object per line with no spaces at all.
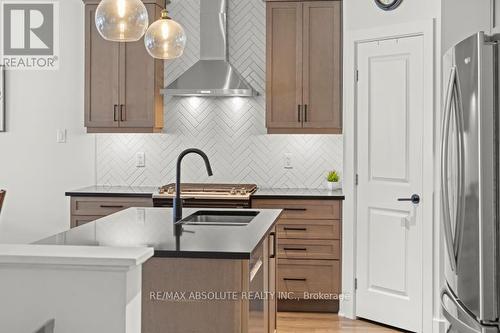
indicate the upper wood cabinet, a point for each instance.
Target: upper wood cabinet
{"x":304,"y":67}
{"x":122,"y":81}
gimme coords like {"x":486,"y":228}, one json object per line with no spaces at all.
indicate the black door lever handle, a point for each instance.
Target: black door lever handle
{"x":415,"y":199}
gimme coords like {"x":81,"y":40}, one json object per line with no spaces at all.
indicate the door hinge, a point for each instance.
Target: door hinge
{"x":356,"y":180}
{"x":356,"y":284}
{"x":356,"y":74}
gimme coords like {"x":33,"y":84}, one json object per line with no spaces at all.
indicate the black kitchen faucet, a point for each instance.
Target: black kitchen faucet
{"x":177,"y":213}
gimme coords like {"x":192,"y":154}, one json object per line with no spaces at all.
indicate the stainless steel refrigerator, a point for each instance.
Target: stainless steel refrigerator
{"x":470,"y":186}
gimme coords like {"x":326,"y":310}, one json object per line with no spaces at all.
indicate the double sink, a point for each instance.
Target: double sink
{"x":219,"y":218}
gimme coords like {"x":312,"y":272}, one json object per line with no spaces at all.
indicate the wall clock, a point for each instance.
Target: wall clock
{"x":388,"y":4}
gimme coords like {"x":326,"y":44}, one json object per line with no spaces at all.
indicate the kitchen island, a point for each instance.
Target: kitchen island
{"x":204,"y":276}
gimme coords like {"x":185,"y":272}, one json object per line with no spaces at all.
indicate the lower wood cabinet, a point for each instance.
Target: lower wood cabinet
{"x":309,"y":253}
{"x":88,"y":209}
{"x":301,"y":277}
{"x":211,"y":277}
{"x":308,"y":249}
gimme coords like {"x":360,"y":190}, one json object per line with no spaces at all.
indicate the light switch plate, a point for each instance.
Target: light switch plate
{"x":140,"y":160}
{"x":288,"y":163}
{"x":61,"y":136}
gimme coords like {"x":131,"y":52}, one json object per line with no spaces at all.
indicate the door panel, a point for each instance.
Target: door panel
{"x":322,"y":64}
{"x":101,"y":68}
{"x":389,"y":225}
{"x":284,"y":65}
{"x":388,"y":98}
{"x":137,"y":89}
{"x":390,"y":130}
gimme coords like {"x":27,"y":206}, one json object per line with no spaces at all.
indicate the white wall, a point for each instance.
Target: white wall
{"x":363,"y":14}
{"x":462,"y":18}
{"x":34,"y":169}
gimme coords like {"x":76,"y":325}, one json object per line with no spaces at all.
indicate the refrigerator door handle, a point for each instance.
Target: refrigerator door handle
{"x":461,"y":165}
{"x":456,"y":323}
{"x":444,"y":170}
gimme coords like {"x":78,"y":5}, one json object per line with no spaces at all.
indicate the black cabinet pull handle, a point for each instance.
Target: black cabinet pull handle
{"x":115,"y":112}
{"x":305,"y":113}
{"x":122,"y":113}
{"x":415,"y":199}
{"x":298,"y":114}
{"x":295,"y":209}
{"x":294,"y":279}
{"x":294,"y":229}
{"x":295,"y":249}
{"x":112,"y":206}
{"x":273,"y":255}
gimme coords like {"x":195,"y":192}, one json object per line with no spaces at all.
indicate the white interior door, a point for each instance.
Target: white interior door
{"x":390,"y":164}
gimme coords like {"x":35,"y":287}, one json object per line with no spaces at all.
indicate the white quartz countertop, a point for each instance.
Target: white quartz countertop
{"x":34,"y":254}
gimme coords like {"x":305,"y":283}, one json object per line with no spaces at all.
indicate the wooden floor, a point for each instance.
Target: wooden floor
{"x":325,"y":323}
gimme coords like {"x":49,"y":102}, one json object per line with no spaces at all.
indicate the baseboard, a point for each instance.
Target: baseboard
{"x":438,"y":325}
{"x":308,"y":306}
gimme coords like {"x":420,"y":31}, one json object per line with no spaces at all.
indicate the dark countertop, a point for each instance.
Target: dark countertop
{"x":153,"y":227}
{"x":114,"y":191}
{"x":262,"y":193}
{"x":298,"y":193}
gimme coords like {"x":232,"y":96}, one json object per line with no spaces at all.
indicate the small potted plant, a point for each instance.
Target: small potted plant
{"x":333,"y":181}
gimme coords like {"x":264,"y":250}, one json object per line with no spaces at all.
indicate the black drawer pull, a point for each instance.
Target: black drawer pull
{"x":122,"y":113}
{"x":273,"y":235}
{"x":294,"y":279}
{"x":295,"y":249}
{"x":294,"y":229}
{"x":112,"y":206}
{"x":295,"y":209}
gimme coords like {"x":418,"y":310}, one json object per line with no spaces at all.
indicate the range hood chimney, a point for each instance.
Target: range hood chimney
{"x":213,"y":75}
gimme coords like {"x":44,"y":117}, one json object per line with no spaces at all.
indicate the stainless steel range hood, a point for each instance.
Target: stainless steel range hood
{"x":213,"y":75}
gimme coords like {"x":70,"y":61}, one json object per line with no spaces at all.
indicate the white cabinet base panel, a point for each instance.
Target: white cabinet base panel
{"x":85,"y":289}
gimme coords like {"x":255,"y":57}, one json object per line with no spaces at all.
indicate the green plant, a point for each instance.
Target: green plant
{"x":333,"y":177}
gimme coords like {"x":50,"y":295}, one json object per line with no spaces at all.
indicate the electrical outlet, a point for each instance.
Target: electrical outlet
{"x":140,"y":160}
{"x":288,"y":161}
{"x":61,"y":136}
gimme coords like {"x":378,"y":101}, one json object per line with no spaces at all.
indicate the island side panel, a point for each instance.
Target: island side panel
{"x":192,"y":275}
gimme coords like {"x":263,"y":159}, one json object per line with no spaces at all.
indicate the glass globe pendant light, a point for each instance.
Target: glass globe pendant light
{"x":121,"y":20}
{"x":165,"y":38}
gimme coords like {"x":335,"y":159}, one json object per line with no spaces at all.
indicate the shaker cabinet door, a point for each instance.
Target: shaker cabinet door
{"x":140,"y":82}
{"x":322,"y":65}
{"x":101,"y":76}
{"x":284,"y":58}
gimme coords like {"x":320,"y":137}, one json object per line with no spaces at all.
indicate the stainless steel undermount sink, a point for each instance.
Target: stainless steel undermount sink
{"x":220,"y":218}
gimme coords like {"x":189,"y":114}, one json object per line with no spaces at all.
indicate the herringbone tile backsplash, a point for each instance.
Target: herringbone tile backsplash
{"x":230,"y":130}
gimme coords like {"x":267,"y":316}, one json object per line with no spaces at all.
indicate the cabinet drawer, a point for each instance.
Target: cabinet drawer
{"x":303,"y":209}
{"x":312,"y":276}
{"x":77,"y":221}
{"x":308,"y":229}
{"x":308,"y":249}
{"x":93,"y":206}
